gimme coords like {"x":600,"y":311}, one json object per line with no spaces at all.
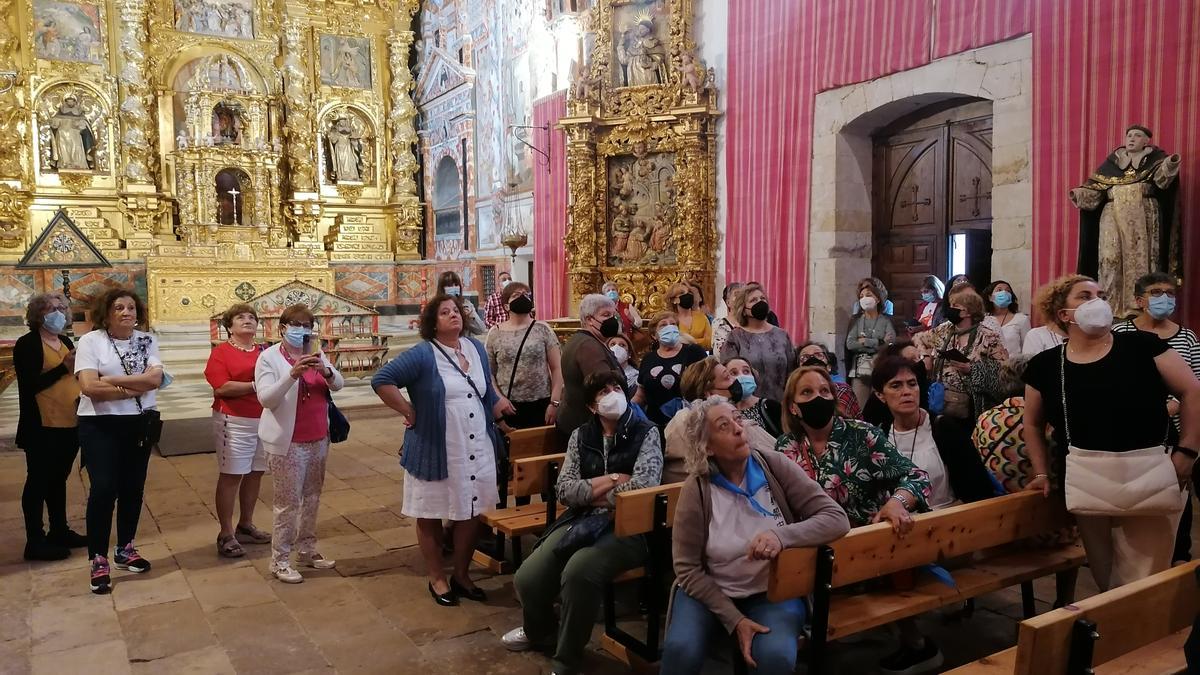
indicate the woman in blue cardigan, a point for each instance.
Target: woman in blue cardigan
{"x":448,"y":456}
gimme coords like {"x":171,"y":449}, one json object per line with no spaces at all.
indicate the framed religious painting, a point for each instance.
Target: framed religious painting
{"x":640,"y":42}
{"x":222,"y":18}
{"x":642,"y":209}
{"x":69,"y":31}
{"x":345,"y":61}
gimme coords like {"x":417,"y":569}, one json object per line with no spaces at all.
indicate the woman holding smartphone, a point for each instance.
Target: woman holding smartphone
{"x":964,"y":355}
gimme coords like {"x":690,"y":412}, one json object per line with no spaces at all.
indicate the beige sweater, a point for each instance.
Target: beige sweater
{"x":813,"y":519}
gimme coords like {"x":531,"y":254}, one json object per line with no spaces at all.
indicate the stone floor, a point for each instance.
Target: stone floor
{"x":198,"y":613}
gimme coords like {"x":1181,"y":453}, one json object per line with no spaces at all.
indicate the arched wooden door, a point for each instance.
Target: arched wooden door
{"x":933,"y":187}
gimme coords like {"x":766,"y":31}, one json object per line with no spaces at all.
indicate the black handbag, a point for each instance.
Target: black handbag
{"x":339,"y":426}
{"x":584,"y":532}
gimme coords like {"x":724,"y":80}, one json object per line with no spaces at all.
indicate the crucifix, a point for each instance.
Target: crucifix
{"x":975,"y":183}
{"x":914,"y":203}
{"x":234,"y":192}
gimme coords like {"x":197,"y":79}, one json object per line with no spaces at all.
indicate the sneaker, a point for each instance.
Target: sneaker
{"x":127,"y":558}
{"x":100,"y":579}
{"x":67,"y":538}
{"x":909,"y":661}
{"x":316,"y":561}
{"x":516,"y":640}
{"x":44,"y":550}
{"x":286,"y":573}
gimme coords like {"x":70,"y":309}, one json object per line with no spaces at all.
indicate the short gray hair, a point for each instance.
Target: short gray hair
{"x":593,"y":303}
{"x":696,"y":434}
{"x":1012,"y":375}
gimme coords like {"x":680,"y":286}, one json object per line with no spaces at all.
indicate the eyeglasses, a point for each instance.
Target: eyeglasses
{"x":296,"y":324}
{"x":1159,"y":292}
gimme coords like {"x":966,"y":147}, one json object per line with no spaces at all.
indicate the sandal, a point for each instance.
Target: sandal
{"x":228,"y":547}
{"x":251,"y":534}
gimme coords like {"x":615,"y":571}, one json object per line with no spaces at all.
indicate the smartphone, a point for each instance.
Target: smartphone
{"x":307,"y":344}
{"x":954,"y":355}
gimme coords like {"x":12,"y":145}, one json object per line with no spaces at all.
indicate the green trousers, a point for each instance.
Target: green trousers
{"x":544,"y":576}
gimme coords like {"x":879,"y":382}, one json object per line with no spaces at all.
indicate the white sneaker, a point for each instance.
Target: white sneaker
{"x":287,"y":574}
{"x":317,"y":561}
{"x":516,"y":640}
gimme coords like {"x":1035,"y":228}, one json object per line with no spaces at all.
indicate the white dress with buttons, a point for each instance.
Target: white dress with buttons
{"x":470,"y":487}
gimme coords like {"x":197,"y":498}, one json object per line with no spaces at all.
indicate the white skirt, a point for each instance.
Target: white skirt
{"x":470,"y":487}
{"x":239,"y":449}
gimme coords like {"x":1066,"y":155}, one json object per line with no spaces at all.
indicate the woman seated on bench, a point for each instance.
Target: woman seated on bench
{"x":612,"y":452}
{"x":738,"y":509}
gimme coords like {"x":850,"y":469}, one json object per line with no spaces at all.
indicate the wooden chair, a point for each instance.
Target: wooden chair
{"x":650,"y":512}
{"x":1137,"y":628}
{"x":982,"y":529}
{"x":531,"y":476}
{"x":522,"y":444}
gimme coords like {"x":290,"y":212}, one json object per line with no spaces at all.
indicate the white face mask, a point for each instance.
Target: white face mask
{"x":621,"y":353}
{"x":867,"y":303}
{"x":1094,"y":317}
{"x":612,"y":405}
{"x":505,"y":282}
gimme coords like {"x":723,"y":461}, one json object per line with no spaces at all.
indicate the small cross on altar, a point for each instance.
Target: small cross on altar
{"x":234,"y":192}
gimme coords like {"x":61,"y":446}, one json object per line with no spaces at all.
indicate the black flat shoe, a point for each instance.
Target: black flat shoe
{"x":445,"y":599}
{"x":475,"y":594}
{"x":67,"y":539}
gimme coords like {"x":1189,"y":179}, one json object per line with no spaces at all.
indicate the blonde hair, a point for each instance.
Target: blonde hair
{"x":791,"y":421}
{"x":677,"y":289}
{"x":659,"y":316}
{"x":1053,"y":296}
{"x":696,"y":435}
{"x":970,"y":299}
{"x":737,"y":302}
{"x":698,"y":378}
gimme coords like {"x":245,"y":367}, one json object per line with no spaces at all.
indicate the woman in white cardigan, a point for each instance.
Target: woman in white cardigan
{"x":293,"y":380}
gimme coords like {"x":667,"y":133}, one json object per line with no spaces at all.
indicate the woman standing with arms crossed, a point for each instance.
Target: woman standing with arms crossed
{"x":293,"y":380}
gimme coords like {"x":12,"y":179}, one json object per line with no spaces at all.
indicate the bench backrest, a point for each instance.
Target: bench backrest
{"x":535,"y":441}
{"x":530,"y":476}
{"x":875,"y":551}
{"x":635,"y":509}
{"x":1128,"y":617}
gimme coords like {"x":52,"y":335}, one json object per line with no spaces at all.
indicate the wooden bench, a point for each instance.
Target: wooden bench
{"x":986,"y":530}
{"x":531,"y":476}
{"x":1137,"y":628}
{"x":650,"y":512}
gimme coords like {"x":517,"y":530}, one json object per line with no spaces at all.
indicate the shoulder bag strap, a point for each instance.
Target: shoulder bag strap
{"x":136,"y":399}
{"x":516,"y":361}
{"x":465,"y":375}
{"x":1062,"y":380}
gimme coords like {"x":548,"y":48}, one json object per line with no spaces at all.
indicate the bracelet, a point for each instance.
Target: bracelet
{"x":555,"y":403}
{"x":1041,"y":475}
{"x":124,"y":392}
{"x":902,"y":500}
{"x":1185,"y":451}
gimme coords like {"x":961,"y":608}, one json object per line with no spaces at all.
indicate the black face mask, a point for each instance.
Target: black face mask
{"x":760,"y":310}
{"x":953,"y":315}
{"x":610,"y":327}
{"x":814,"y":361}
{"x":522,"y":304}
{"x":817,"y":412}
{"x":735,"y":391}
{"x":687,"y":300}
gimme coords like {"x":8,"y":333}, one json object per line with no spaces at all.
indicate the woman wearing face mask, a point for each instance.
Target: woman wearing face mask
{"x":722,"y":327}
{"x":449,"y":283}
{"x":964,"y":355}
{"x":614,"y":451}
{"x":767,"y":348}
{"x":766,"y":413}
{"x":1004,"y":317}
{"x":1103,"y":394}
{"x":622,"y":350}
{"x":525,"y":360}
{"x":867,"y":333}
{"x":47,"y":429}
{"x":929,"y":310}
{"x":691,"y":318}
{"x":815,"y":354}
{"x":293,"y":380}
{"x":853,"y":461}
{"x":586,"y":353}
{"x":450,"y":454}
{"x":631,"y":320}
{"x":662,"y":367}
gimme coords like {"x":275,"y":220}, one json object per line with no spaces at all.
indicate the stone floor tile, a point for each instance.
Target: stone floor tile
{"x":107,"y":657}
{"x":265,"y":639}
{"x":152,"y":588}
{"x":380,"y":650}
{"x":67,"y":622}
{"x":207,"y":661}
{"x":162,"y":630}
{"x":224,"y":587}
{"x":15,"y":655}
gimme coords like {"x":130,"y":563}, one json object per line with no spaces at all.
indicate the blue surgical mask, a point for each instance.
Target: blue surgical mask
{"x":56,"y":321}
{"x":294,"y":335}
{"x":1161,"y":307}
{"x":928,"y":296}
{"x":668,"y":335}
{"x":612,"y":295}
{"x":453,"y":290}
{"x":1002,"y":299}
{"x":748,"y":385}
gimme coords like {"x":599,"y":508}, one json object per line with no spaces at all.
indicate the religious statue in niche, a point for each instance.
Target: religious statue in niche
{"x":72,"y":143}
{"x":1127,"y":225}
{"x":345,"y":153}
{"x":642,"y":53}
{"x":642,"y":208}
{"x":346,"y":61}
{"x":227,"y":124}
{"x":231,"y":197}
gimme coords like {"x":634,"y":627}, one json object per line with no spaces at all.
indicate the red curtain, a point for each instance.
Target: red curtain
{"x":550,"y":212}
{"x":1098,"y":66}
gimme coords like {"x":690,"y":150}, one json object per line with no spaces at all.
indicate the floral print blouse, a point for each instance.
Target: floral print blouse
{"x":860,"y":469}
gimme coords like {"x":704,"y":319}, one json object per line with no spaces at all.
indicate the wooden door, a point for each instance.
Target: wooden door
{"x":930,"y":182}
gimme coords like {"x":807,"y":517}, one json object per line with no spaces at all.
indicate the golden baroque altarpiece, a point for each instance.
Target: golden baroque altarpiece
{"x":220,"y":141}
{"x":640,"y":130}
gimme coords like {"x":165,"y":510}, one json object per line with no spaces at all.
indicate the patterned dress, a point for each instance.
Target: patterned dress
{"x":860,"y":469}
{"x":986,"y":353}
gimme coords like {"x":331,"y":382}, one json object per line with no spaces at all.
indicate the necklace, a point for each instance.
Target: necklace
{"x":896,"y":441}
{"x":252,"y":348}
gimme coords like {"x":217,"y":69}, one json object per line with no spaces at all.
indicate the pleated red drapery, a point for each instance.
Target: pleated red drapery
{"x":550,"y":212}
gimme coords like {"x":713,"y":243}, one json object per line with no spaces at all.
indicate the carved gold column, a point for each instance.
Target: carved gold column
{"x":140,"y":199}
{"x":587,"y":199}
{"x":405,"y":207}
{"x":14,"y":113}
{"x":305,"y":207}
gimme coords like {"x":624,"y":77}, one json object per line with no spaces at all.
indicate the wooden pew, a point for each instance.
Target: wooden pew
{"x":531,"y":476}
{"x":650,"y":512}
{"x":1137,"y":628}
{"x":522,"y":444}
{"x":982,"y":529}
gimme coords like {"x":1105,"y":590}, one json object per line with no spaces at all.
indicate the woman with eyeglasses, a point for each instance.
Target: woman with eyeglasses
{"x":293,"y":380}
{"x":525,"y":360}
{"x":449,"y":283}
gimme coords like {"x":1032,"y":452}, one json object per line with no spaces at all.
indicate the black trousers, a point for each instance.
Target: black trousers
{"x":529,"y":414}
{"x":117,"y":468}
{"x":47,"y":466}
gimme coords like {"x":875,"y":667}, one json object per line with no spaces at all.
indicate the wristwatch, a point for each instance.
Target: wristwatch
{"x":555,"y":403}
{"x":616,"y":477}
